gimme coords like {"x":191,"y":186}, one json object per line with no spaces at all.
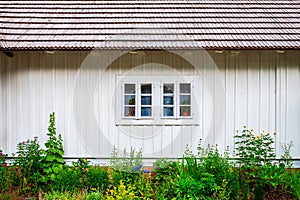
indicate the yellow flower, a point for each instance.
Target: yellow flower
{"x":237,"y":131}
{"x":258,"y":136}
{"x":244,"y":126}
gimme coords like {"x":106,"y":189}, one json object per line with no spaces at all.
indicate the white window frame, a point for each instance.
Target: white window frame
{"x":157,"y":117}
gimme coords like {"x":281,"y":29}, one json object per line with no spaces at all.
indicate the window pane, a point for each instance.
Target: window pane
{"x":146,"y":89}
{"x":129,"y":100}
{"x":146,"y":100}
{"x":146,"y":111}
{"x":129,"y":111}
{"x":185,"y":99}
{"x":168,"y":100}
{"x":168,"y":111}
{"x":185,"y":111}
{"x":129,"y":88}
{"x":168,"y":88}
{"x":185,"y":88}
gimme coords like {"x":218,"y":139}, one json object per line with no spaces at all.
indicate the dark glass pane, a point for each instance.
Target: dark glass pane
{"x":168,"y":111}
{"x":129,"y":88}
{"x":168,"y":100}
{"x":185,"y":111}
{"x":185,"y":88}
{"x":146,"y":111}
{"x":146,"y":89}
{"x":185,"y":99}
{"x":129,"y":111}
{"x":129,"y":100}
{"x":168,"y":88}
{"x":146,"y":100}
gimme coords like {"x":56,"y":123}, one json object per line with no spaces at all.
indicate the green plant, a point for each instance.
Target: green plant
{"x":164,"y":181}
{"x":64,"y":195}
{"x":97,"y":178}
{"x":143,"y":187}
{"x":208,"y":170}
{"x":95,"y":196}
{"x":161,"y":163}
{"x":53,"y":161}
{"x":27,"y":160}
{"x":257,"y":172}
{"x":120,"y":192}
{"x":69,"y":179}
{"x":254,"y":150}
{"x":3,"y":172}
{"x":189,"y":187}
{"x":295,"y":183}
{"x":127,"y":166}
{"x":286,"y":158}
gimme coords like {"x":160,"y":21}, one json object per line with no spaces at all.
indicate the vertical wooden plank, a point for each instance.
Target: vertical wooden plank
{"x":241,"y":84}
{"x":3,"y":103}
{"x":220,"y":88}
{"x":208,"y":100}
{"x":281,"y":99}
{"x":12,"y":121}
{"x":230,"y":91}
{"x":272,"y":92}
{"x":176,"y":144}
{"x":292,"y":101}
{"x":166,"y":141}
{"x":254,"y":92}
{"x":265,"y":92}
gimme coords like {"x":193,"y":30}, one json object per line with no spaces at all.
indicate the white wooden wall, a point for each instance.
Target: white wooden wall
{"x":261,"y":90}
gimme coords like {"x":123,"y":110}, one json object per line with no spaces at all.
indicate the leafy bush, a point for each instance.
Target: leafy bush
{"x":27,"y":160}
{"x":206,"y":174}
{"x":3,"y":172}
{"x":164,"y":181}
{"x":254,"y":150}
{"x":64,"y":195}
{"x":97,"y":178}
{"x":95,"y":196}
{"x":67,"y":180}
{"x":295,"y":183}
{"x":258,"y":172}
{"x":120,"y":192}
{"x":143,"y":187}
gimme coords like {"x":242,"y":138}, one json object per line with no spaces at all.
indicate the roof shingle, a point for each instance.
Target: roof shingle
{"x":151,"y":24}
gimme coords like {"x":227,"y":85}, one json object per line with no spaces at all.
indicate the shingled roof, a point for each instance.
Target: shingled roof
{"x":150,"y":24}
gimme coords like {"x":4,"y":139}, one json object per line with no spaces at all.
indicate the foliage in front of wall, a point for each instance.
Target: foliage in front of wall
{"x":53,"y":161}
{"x":126,"y":166}
{"x":97,"y":178}
{"x":28,"y":163}
{"x":4,"y":185}
{"x":204,"y":175}
{"x":258,"y":172}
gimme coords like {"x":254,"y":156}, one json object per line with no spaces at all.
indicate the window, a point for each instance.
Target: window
{"x":145,"y":100}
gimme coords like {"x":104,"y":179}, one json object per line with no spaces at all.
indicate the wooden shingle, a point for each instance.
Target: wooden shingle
{"x":218,"y":24}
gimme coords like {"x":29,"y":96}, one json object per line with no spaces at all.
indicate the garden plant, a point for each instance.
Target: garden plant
{"x":253,"y":173}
